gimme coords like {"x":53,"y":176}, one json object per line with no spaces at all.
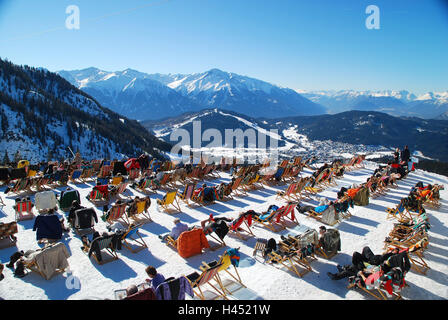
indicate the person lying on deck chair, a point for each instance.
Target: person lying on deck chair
{"x":361,"y":262}
{"x":178,"y":228}
{"x":217,"y":225}
{"x":71,"y":214}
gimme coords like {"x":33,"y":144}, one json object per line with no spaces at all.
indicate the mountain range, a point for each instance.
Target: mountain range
{"x":431,"y":105}
{"x":42,"y":115}
{"x":142,"y":96}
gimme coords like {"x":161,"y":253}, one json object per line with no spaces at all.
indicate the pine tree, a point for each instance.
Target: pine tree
{"x":6,"y":158}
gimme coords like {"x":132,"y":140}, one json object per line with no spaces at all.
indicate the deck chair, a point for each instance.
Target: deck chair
{"x":236,"y":187}
{"x":169,"y":200}
{"x":84,"y":221}
{"x":117,"y":213}
{"x":116,"y":180}
{"x":198,"y":281}
{"x":132,"y":240}
{"x":291,"y":260}
{"x":133,"y":174}
{"x":97,"y":197}
{"x":105,"y":171}
{"x":45,"y":200}
{"x":65,"y":202}
{"x":42,"y":261}
{"x":145,"y":186}
{"x":7,"y":234}
{"x":87,"y":173}
{"x":141,"y":214}
{"x":288,"y":212}
{"x":102,"y":243}
{"x":236,"y":227}
{"x":401,"y":213}
{"x":329,"y":216}
{"x":187,"y":194}
{"x":229,"y":261}
{"x":289,"y":194}
{"x":120,"y":189}
{"x":76,"y":176}
{"x":415,"y":253}
{"x":267,"y":220}
{"x":379,"y":291}
{"x":24,"y":210}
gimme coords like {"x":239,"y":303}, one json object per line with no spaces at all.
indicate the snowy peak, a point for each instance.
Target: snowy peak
{"x":154,"y":96}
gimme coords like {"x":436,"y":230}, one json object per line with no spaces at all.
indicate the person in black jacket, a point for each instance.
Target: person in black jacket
{"x":405,"y":155}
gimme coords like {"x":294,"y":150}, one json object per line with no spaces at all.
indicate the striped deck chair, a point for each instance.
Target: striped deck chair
{"x":235,"y":187}
{"x":132,"y":240}
{"x":97,"y":198}
{"x":117,"y":213}
{"x":267,"y":220}
{"x":187,"y":194}
{"x":7,"y":234}
{"x":87,"y":173}
{"x":145,"y":186}
{"x":104,"y":243}
{"x":21,"y":185}
{"x":236,"y":227}
{"x":287,"y":212}
{"x":169,"y":200}
{"x":24,"y":210}
{"x":289,"y":194}
{"x":198,"y":281}
{"x":105,"y":171}
{"x":133,"y":174}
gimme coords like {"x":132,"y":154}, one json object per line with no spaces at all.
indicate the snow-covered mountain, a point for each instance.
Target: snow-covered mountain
{"x":397,"y":103}
{"x":130,"y":93}
{"x":154,"y":96}
{"x":42,"y":115}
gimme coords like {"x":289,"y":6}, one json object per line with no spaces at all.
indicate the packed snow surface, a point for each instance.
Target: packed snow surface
{"x":367,"y":227}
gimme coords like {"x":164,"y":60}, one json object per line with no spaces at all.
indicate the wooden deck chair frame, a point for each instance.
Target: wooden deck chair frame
{"x":204,"y":278}
{"x":235,"y":276}
{"x":170,"y":200}
{"x":260,"y":245}
{"x":221,"y":242}
{"x":35,"y":268}
{"x":238,"y":231}
{"x":236,"y":187}
{"x":98,"y":199}
{"x":290,"y":262}
{"x":379,"y":295}
{"x":138,"y":241}
{"x":146,"y":186}
{"x":416,"y":258}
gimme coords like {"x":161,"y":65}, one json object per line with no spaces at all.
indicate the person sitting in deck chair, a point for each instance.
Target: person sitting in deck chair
{"x":361,"y":262}
{"x":155,"y":278}
{"x":178,"y":228}
{"x":71,"y":215}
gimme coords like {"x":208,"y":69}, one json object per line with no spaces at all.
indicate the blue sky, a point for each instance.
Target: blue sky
{"x":312,"y":44}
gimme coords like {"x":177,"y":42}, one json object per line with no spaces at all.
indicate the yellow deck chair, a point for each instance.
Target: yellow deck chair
{"x":169,"y":200}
